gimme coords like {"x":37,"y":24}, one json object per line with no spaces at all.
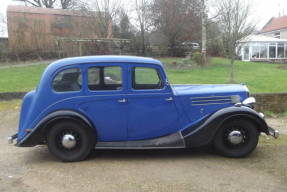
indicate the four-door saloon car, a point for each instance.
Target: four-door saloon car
{"x":121,"y":102}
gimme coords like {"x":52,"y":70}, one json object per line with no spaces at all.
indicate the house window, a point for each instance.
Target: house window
{"x":280,"y":50}
{"x":255,"y":52}
{"x":263,"y":50}
{"x":285,"y":50}
{"x":272,"y":50}
{"x":277,"y":35}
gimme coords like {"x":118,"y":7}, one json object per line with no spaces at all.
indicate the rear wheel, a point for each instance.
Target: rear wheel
{"x":70,"y":141}
{"x":236,"y":138}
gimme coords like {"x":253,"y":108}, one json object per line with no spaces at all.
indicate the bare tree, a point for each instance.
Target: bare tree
{"x":177,"y":20}
{"x":3,"y":24}
{"x":142,"y":8}
{"x":233,"y":16}
{"x":104,"y":12}
{"x":203,"y":32}
{"x":63,"y":4}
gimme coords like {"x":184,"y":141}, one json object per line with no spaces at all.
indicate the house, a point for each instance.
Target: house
{"x":35,"y":29}
{"x":269,"y":45}
{"x":276,"y":27}
{"x":262,"y":48}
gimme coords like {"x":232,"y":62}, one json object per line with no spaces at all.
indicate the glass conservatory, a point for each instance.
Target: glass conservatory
{"x":262,"y":48}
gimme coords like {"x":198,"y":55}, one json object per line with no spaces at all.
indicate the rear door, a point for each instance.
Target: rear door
{"x":151,"y":107}
{"x":105,"y":103}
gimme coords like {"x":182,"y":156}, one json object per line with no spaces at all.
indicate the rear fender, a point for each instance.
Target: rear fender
{"x":38,"y":133}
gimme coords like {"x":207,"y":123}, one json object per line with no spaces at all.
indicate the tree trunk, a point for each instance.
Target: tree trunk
{"x":232,"y":70}
{"x":143,"y":40}
{"x":203,"y":34}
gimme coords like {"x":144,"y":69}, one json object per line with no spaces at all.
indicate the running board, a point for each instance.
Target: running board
{"x":170,"y":141}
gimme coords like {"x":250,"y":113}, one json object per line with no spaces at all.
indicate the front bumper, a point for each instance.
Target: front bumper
{"x":12,"y":138}
{"x":273,"y":132}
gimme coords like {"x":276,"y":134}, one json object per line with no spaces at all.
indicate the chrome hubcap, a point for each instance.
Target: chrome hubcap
{"x":69,"y":141}
{"x":235,"y":137}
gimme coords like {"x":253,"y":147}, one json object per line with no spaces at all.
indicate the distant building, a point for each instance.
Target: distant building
{"x":276,"y":27}
{"x":37,"y":29}
{"x":269,"y":45}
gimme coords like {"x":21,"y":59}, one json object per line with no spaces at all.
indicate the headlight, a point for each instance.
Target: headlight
{"x":249,"y":101}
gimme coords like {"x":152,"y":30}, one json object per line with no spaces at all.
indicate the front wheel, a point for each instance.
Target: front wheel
{"x":70,"y":141}
{"x":236,"y":138}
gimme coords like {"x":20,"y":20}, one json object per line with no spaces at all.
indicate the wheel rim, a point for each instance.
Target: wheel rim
{"x":236,"y":137}
{"x":68,"y":140}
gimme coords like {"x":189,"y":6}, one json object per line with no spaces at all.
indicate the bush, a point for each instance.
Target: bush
{"x":197,"y":58}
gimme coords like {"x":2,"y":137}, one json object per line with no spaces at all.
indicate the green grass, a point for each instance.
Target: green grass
{"x":16,"y":79}
{"x":260,"y":77}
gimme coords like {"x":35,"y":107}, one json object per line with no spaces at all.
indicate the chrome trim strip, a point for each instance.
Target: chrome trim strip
{"x":212,"y":100}
{"x":210,"y":97}
{"x":212,"y":103}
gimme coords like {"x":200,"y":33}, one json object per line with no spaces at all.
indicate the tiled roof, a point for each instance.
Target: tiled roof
{"x":275,"y":24}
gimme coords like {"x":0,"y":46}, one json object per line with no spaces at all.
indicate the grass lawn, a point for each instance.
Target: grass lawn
{"x":260,"y":77}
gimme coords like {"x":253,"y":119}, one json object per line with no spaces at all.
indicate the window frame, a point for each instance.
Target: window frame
{"x":159,"y":74}
{"x":101,"y":76}
{"x":53,"y":76}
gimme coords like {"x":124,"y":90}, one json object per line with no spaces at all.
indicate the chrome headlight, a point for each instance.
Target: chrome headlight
{"x":249,"y":101}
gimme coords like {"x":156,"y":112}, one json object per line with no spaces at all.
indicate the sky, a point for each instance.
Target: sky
{"x":262,"y":10}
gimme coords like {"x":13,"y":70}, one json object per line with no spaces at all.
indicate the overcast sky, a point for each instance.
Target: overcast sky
{"x":262,"y":10}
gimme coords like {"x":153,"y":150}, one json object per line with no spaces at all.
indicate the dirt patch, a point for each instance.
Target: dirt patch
{"x":34,"y":169}
{"x":282,"y":67}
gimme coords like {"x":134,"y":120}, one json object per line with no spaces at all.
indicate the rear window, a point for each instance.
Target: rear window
{"x":68,"y":80}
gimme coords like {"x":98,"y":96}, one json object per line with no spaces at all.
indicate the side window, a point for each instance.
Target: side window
{"x":105,"y":78}
{"x":146,"y":78}
{"x":68,"y":80}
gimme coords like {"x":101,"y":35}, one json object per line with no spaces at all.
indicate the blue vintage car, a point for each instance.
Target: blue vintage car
{"x":122,"y":102}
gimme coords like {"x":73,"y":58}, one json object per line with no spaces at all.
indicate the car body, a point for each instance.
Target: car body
{"x":124,"y":102}
{"x":190,"y":44}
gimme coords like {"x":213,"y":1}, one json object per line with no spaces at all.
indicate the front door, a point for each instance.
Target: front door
{"x":151,"y":108}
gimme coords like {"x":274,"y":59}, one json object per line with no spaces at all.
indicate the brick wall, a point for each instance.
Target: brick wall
{"x":275,"y":102}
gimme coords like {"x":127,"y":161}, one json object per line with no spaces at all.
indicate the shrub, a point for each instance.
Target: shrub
{"x":196,"y":57}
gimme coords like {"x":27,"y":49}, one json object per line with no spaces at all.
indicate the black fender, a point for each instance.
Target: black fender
{"x":38,"y":133}
{"x":204,"y":132}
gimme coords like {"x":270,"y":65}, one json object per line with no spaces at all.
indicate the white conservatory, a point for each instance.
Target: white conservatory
{"x":262,"y":48}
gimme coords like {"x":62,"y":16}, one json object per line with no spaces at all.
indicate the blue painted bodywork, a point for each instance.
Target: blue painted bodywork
{"x":147,"y":114}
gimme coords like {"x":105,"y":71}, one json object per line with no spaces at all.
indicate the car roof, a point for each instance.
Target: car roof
{"x":101,"y":59}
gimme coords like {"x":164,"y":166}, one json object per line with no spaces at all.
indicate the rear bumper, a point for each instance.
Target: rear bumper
{"x":273,"y":132}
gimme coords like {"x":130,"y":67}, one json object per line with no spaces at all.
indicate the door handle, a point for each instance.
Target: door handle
{"x":122,"y":100}
{"x":169,"y":99}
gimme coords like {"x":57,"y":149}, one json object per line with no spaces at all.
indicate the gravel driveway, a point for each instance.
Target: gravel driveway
{"x":33,"y":169}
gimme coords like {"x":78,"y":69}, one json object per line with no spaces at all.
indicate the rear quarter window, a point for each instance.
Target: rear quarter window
{"x":68,"y":80}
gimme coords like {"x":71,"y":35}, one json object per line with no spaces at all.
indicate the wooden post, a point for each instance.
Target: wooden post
{"x":203,"y":33}
{"x":80,"y":49}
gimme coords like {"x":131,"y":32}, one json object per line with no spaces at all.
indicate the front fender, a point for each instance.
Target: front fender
{"x":204,"y":132}
{"x":37,"y":134}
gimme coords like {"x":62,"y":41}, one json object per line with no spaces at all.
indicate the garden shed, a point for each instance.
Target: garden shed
{"x":262,"y":48}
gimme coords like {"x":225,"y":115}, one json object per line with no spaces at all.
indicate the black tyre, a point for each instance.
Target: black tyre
{"x":236,"y":138}
{"x":70,"y":141}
